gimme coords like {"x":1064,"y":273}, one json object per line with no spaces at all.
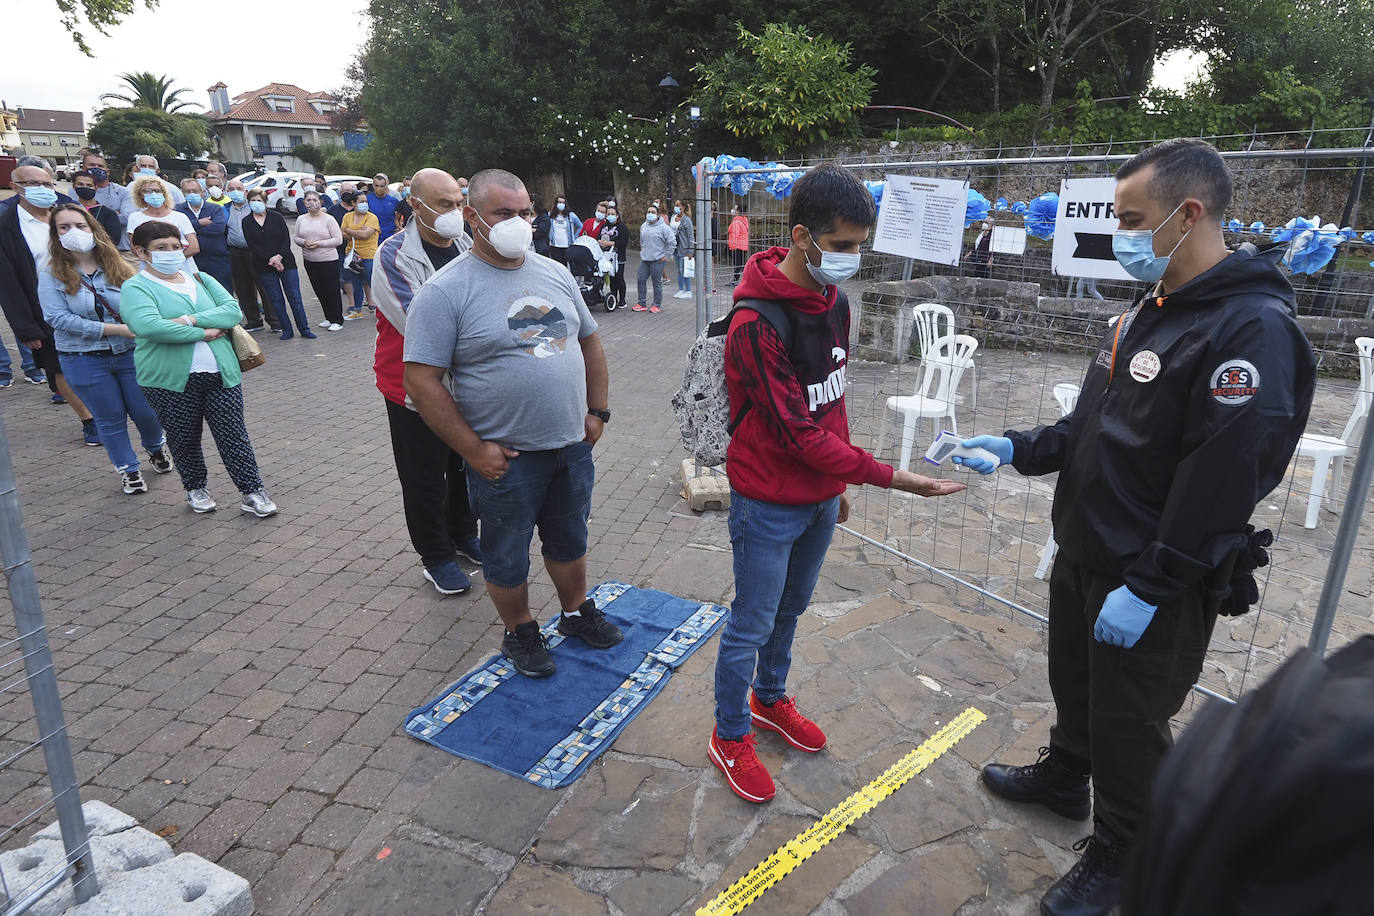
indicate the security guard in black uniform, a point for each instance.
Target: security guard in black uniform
{"x":1188,"y":417}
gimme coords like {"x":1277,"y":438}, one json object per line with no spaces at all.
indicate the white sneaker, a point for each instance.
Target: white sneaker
{"x":334,"y":327}
{"x":682,"y":294}
{"x":325,"y":323}
{"x":200,"y":500}
{"x":258,"y":503}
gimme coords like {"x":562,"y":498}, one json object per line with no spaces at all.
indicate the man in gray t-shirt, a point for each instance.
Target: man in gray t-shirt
{"x":528,"y":401}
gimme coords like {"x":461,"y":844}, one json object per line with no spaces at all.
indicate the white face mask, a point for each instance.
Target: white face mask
{"x":449,"y":225}
{"x":78,"y":240}
{"x":511,"y":237}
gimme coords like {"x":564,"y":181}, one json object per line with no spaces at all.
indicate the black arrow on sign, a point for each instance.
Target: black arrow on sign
{"x":1094,"y":246}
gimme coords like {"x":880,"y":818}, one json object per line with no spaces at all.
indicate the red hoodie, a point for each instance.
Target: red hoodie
{"x":792,"y":444}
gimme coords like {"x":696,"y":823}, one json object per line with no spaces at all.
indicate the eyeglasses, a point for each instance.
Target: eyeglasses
{"x":36,"y":184}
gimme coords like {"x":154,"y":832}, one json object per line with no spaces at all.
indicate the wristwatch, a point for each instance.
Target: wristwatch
{"x":603,"y":415}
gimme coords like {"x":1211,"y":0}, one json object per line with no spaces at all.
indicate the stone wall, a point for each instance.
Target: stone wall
{"x":1006,"y":314}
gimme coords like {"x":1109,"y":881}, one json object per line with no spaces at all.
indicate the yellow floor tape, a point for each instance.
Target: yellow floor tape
{"x":802,"y":846}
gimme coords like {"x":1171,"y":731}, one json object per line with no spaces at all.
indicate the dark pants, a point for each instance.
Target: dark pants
{"x":324,"y":280}
{"x":1113,"y":705}
{"x":245,"y":277}
{"x":737,"y":259}
{"x":219,"y":267}
{"x":434,"y":490}
{"x":618,"y":282}
{"x":184,"y":415}
{"x":558,"y":254}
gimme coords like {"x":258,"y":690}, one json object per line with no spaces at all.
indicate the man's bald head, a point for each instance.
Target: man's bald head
{"x":433,"y":182}
{"x":485,"y":180}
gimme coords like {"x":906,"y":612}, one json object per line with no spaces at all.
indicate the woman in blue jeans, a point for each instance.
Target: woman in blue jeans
{"x":79,"y":293}
{"x":269,"y":242}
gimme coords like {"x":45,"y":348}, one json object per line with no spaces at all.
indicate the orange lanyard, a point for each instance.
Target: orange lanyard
{"x":1120,"y":322}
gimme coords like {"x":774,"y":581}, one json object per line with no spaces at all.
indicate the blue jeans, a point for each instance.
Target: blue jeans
{"x":26,"y":363}
{"x":684,"y":283}
{"x":274,"y":282}
{"x":358,"y":280}
{"x":110,"y":391}
{"x":778,"y":553}
{"x":549,"y":489}
{"x":651,"y":270}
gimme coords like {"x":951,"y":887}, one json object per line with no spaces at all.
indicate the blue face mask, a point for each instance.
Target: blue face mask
{"x":236,"y":196}
{"x":146,"y":171}
{"x":405,"y":192}
{"x":100,"y":175}
{"x":362,"y":206}
{"x":1135,"y":251}
{"x":836,"y":266}
{"x":257,"y":206}
{"x":561,"y":206}
{"x":167,"y":262}
{"x":195,"y":200}
{"x":154,"y":199}
{"x":203,"y":183}
{"x":611,"y":218}
{"x":40,"y":196}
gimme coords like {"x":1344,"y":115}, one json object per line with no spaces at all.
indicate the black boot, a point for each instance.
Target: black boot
{"x":1093,"y":886}
{"x":1048,"y":781}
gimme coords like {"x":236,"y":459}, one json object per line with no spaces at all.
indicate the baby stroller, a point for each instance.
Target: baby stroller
{"x":590,"y":266}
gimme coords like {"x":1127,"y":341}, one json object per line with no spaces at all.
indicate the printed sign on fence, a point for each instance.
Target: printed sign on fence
{"x":1083,"y":230}
{"x":922,"y":218}
{"x":1008,"y":240}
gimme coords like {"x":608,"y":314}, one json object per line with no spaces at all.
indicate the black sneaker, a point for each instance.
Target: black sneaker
{"x":133,"y":482}
{"x":89,"y":433}
{"x":528,"y":651}
{"x":160,"y":460}
{"x":591,"y":625}
{"x":1093,"y":886}
{"x":1048,"y":782}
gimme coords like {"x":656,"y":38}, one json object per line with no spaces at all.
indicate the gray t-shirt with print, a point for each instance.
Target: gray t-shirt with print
{"x":510,"y":340}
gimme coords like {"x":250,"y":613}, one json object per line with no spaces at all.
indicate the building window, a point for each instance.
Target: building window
{"x":294,"y":140}
{"x":262,"y":142}
{"x":41,"y":141}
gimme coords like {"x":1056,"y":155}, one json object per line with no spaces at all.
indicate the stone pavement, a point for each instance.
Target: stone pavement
{"x":238,"y":685}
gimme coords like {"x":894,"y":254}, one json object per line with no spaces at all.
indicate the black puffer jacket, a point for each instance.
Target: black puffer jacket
{"x":1187,"y":418}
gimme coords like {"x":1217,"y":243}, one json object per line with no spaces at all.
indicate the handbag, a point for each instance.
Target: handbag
{"x":689,"y":267}
{"x":351,"y":260}
{"x":246,"y":348}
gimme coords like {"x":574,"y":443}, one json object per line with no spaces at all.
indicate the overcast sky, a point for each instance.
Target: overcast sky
{"x":44,"y":69}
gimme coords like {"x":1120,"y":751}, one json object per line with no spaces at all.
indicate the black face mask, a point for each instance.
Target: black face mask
{"x":86,"y":193}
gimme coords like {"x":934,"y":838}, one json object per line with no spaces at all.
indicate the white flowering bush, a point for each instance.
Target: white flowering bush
{"x":630,"y":145}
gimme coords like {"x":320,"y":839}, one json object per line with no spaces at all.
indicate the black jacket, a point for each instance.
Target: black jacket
{"x":19,"y":280}
{"x":270,"y":239}
{"x":109,"y":221}
{"x":542,"y":224}
{"x":1174,"y":443}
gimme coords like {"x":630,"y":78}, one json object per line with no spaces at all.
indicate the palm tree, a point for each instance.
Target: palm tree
{"x":147,"y":90}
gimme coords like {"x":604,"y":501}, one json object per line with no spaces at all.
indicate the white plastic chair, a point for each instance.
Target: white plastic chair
{"x":1326,"y":450}
{"x":941,"y":368}
{"x":1067,"y":396}
{"x":934,"y":321}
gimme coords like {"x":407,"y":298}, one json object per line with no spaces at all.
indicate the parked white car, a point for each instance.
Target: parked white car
{"x":282,"y":189}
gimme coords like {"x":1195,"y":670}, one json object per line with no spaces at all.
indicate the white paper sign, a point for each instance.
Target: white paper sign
{"x":922,"y":218}
{"x":1083,"y":230}
{"x":1008,"y":240}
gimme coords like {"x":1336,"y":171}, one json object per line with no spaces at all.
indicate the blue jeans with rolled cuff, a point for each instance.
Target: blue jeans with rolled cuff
{"x":109,"y":388}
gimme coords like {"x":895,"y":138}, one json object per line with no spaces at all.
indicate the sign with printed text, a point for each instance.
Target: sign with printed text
{"x":1008,"y":240}
{"x":1083,"y":230}
{"x":922,"y":218}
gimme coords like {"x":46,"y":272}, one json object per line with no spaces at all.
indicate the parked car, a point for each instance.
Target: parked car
{"x":248,"y":176}
{"x":332,"y":182}
{"x":282,"y":189}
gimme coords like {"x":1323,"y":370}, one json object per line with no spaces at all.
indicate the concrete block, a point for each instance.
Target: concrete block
{"x":138,"y":874}
{"x":704,"y":488}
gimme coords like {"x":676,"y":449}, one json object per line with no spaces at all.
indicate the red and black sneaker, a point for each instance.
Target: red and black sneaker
{"x":782,"y":717}
{"x":747,"y":777}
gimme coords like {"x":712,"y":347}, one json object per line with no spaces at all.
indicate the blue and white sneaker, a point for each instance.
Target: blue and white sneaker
{"x":448,"y":579}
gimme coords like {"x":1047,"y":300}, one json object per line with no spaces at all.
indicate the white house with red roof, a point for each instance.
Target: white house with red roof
{"x":264,"y":125}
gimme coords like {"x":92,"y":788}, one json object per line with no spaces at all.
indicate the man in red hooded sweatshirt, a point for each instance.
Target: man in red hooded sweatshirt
{"x":789,"y":462}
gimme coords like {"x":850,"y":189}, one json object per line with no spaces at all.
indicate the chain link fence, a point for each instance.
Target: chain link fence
{"x":1037,"y":330}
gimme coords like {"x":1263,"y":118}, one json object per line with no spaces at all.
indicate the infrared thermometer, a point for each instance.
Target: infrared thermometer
{"x":948,"y":445}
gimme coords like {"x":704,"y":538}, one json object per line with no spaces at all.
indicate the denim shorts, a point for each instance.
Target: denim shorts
{"x":551,"y":490}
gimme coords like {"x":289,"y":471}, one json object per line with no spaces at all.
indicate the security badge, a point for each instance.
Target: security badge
{"x":1145,"y":365}
{"x":1235,"y":382}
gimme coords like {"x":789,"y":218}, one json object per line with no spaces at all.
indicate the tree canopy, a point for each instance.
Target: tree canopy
{"x":76,"y":15}
{"x":123,"y":133}
{"x":148,"y":90}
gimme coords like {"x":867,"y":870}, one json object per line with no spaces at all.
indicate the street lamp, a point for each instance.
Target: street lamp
{"x":668,"y":85}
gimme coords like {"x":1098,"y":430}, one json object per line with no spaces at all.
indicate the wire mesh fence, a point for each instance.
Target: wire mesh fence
{"x":37,"y":775}
{"x":1036,"y":330}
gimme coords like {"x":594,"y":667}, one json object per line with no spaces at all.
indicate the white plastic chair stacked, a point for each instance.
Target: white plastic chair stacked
{"x":1067,"y":396}
{"x":1326,"y":450}
{"x":942,"y":365}
{"x":934,"y":321}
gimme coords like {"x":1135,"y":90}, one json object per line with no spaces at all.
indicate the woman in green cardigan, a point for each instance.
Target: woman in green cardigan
{"x":186,"y":366}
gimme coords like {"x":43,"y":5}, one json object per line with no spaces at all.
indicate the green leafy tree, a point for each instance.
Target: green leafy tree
{"x":786,"y":89}
{"x":97,"y":14}
{"x":315,"y":155}
{"x":123,"y":133}
{"x":148,"y":90}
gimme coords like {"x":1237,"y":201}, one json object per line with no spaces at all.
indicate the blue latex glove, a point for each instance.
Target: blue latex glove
{"x":999,"y":445}
{"x":1123,"y":617}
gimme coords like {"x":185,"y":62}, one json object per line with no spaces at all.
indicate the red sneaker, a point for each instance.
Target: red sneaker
{"x":655,"y":309}
{"x":782,"y":717}
{"x":639,"y":307}
{"x":747,"y":777}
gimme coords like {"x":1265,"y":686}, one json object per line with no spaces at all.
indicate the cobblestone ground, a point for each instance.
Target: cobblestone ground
{"x":239,"y":684}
